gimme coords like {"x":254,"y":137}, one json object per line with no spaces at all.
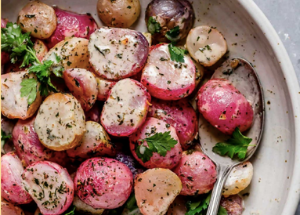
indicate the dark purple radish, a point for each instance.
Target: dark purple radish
{"x":117,"y":53}
{"x":176,"y":15}
{"x":233,"y":205}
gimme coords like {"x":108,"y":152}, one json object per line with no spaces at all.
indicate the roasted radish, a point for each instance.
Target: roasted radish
{"x":196,"y":172}
{"x":155,"y":190}
{"x":11,"y":182}
{"x":126,"y":108}
{"x":168,"y":79}
{"x":156,"y":144}
{"x":50,"y":186}
{"x":60,"y":122}
{"x":103,"y":183}
{"x":206,"y":45}
{"x":13,"y":105}
{"x":117,"y":53}
{"x":95,"y":142}
{"x":83,"y":85}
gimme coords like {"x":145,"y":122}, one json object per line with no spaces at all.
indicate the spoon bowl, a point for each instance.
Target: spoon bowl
{"x":244,"y":78}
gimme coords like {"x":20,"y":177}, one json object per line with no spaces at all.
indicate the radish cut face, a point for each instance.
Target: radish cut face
{"x":126,"y":108}
{"x":155,"y":190}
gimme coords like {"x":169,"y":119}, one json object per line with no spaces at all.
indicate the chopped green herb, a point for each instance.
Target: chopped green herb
{"x":173,"y":34}
{"x":199,"y":205}
{"x":131,"y":203}
{"x":29,"y":89}
{"x":235,"y":146}
{"x":4,"y":138}
{"x":177,"y":54}
{"x":102,"y":51}
{"x":159,"y":142}
{"x":153,"y":26}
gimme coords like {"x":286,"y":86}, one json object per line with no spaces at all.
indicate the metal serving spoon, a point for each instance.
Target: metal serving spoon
{"x":242,"y":75}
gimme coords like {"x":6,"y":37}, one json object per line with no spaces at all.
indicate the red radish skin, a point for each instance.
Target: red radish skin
{"x":83,"y":85}
{"x":11,"y":182}
{"x":27,"y":144}
{"x":71,"y":24}
{"x":196,"y":172}
{"x":95,"y":142}
{"x":172,"y":157}
{"x":50,"y":186}
{"x":94,"y":113}
{"x":117,"y":53}
{"x":179,"y":114}
{"x":223,"y":106}
{"x":166,"y":79}
{"x":126,"y":108}
{"x":103,"y":183}
{"x":233,"y":205}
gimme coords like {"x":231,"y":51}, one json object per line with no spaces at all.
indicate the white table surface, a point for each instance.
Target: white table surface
{"x":285,"y":17}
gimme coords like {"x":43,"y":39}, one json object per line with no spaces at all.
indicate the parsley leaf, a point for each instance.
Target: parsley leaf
{"x":199,"y":205}
{"x":153,"y":26}
{"x":173,"y":34}
{"x":72,"y":212}
{"x":159,"y":142}
{"x":235,"y":146}
{"x":4,"y":138}
{"x":131,"y":203}
{"x":177,"y":54}
{"x":17,"y":44}
{"x":29,"y":89}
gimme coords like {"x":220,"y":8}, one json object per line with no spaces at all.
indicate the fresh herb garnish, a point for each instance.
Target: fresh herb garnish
{"x":235,"y":146}
{"x":153,"y":26}
{"x":173,"y":34}
{"x":159,"y":142}
{"x":17,"y":44}
{"x":4,"y":138}
{"x":29,"y":89}
{"x":20,"y":48}
{"x":29,"y":16}
{"x":131,"y":203}
{"x":199,"y":205}
{"x":177,"y":54}
{"x":72,"y":212}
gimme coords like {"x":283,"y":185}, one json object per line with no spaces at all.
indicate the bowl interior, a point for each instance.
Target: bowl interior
{"x":275,"y":158}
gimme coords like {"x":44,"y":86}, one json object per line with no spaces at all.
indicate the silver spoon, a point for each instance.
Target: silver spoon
{"x":243,"y":76}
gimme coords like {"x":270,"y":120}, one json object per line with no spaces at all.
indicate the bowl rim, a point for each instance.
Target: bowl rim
{"x":292,"y":200}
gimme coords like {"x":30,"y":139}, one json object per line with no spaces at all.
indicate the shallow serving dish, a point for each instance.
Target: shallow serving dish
{"x":275,"y":188}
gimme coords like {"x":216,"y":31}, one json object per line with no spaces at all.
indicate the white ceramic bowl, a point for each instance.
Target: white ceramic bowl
{"x":276,"y":184}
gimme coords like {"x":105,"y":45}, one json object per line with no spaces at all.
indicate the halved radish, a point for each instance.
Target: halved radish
{"x":60,"y":122}
{"x":83,"y":85}
{"x":206,"y":45}
{"x":117,"y":53}
{"x":167,"y":79}
{"x":104,"y":86}
{"x":11,"y":182}
{"x":95,"y":142}
{"x":155,"y":190}
{"x":126,"y":108}
{"x":50,"y":186}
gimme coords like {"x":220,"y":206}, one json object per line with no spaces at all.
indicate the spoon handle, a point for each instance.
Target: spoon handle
{"x":223,"y":172}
